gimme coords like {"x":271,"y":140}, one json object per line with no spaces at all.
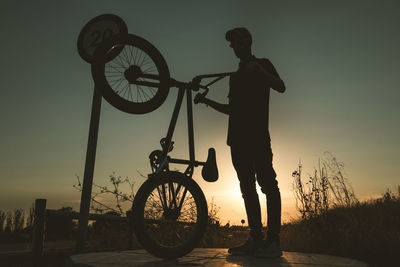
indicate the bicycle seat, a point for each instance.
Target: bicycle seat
{"x":210,"y":169}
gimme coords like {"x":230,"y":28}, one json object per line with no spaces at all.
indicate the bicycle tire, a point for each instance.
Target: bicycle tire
{"x":154,"y":234}
{"x":110,"y":75}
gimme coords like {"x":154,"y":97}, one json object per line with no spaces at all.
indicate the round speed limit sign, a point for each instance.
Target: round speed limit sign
{"x":96,"y":31}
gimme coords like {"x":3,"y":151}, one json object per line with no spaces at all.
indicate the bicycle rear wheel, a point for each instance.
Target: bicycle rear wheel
{"x":169,"y":215}
{"x":137,"y":80}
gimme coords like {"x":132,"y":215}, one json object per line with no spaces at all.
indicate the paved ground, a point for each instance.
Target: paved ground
{"x":205,"y":257}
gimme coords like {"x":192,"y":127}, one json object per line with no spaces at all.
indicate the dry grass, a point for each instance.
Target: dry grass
{"x":368,"y":231}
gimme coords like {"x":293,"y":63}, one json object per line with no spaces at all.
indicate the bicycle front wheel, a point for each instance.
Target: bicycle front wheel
{"x":169,"y":215}
{"x":137,"y":79}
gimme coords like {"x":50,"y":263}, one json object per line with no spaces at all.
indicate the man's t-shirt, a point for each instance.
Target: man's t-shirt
{"x":249,"y":105}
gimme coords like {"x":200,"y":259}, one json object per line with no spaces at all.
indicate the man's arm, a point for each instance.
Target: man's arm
{"x":223,"y":108}
{"x":276,"y":83}
{"x":273,"y":80}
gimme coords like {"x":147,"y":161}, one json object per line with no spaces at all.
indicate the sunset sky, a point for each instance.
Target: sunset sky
{"x":338,"y":59}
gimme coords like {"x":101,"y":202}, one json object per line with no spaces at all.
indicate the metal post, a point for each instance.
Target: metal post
{"x":174,"y":118}
{"x":38,"y":228}
{"x":88,"y":174}
{"x":190,"y":125}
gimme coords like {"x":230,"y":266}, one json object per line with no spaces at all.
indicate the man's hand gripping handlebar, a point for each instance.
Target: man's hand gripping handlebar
{"x":199,"y":98}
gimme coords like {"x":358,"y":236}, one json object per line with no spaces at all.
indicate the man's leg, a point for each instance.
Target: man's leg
{"x":244,"y":166}
{"x":266,"y":178}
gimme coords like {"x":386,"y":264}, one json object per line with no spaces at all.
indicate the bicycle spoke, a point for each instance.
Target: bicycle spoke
{"x":139,"y":57}
{"x":144,"y":93}
{"x":115,"y":68}
{"x":147,"y":63}
{"x":124,"y":89}
{"x":140,"y":89}
{"x":164,"y":195}
{"x":114,"y":72}
{"x":117,"y":61}
{"x":172,"y":195}
{"x":161,"y":199}
{"x":134,"y":59}
{"x":115,"y":75}
{"x":130,"y":91}
{"x":119,"y":84}
{"x":116,"y":80}
{"x":125,"y":56}
{"x":149,"y":69}
{"x":143,"y":60}
{"x":138,"y":92}
{"x":182,"y":199}
{"x":131,"y":55}
{"x":177,"y":192}
{"x":121,"y":61}
{"x":151,"y":90}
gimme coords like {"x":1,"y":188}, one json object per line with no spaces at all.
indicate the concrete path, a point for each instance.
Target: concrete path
{"x":205,"y":257}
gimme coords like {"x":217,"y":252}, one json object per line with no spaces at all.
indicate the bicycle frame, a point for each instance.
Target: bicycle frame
{"x":186,"y":88}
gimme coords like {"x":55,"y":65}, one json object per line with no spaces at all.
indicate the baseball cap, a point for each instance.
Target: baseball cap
{"x":239,"y":35}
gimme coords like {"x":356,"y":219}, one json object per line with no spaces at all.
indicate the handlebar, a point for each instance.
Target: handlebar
{"x":134,"y":74}
{"x":198,"y":79}
{"x":195,"y":83}
{"x":224,"y":74}
{"x":218,"y":76}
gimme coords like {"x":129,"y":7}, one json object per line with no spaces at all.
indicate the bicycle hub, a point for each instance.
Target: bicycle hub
{"x":133,"y":73}
{"x":171,"y":214}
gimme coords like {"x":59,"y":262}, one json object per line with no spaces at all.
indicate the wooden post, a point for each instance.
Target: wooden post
{"x":88,"y":173}
{"x":130,"y":228}
{"x":38,"y":227}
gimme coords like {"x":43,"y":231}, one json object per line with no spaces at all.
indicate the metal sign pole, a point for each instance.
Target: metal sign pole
{"x":93,"y":34}
{"x":88,"y":174}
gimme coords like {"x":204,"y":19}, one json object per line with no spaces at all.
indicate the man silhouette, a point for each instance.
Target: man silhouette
{"x":249,"y":139}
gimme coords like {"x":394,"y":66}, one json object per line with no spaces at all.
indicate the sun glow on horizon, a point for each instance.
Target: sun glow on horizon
{"x":226,"y":194}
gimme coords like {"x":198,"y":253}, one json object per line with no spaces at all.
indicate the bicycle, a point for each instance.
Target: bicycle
{"x":169,"y":211}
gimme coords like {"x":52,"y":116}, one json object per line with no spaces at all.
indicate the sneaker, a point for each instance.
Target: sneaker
{"x":270,"y":249}
{"x":247,"y":248}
